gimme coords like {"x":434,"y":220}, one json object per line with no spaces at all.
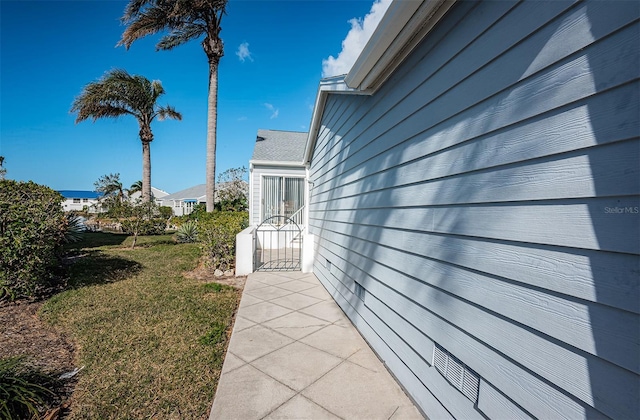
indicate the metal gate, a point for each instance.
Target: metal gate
{"x":277,"y":245}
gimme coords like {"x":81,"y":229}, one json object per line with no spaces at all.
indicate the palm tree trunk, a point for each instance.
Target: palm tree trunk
{"x":146,"y":171}
{"x":212,"y":122}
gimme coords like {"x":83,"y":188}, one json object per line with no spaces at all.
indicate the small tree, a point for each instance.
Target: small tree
{"x":233,"y":190}
{"x":144,"y":220}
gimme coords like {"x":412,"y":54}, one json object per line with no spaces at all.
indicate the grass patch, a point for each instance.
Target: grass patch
{"x":152,"y":341}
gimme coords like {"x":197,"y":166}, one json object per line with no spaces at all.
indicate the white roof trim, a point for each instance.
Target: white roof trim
{"x":334,"y":84}
{"x":276,"y":163}
{"x":404,"y":25}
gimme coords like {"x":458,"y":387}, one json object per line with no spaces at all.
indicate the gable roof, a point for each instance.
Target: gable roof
{"x":157,"y":193}
{"x":79,"y":194}
{"x":192,"y":193}
{"x":279,"y":146}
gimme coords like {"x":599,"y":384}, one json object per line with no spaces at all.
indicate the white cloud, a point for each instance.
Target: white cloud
{"x":356,"y":39}
{"x":243,"y":118}
{"x":274,"y":111}
{"x":243,"y":52}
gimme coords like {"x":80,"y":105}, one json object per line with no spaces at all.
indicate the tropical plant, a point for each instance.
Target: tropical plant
{"x":75,"y":228}
{"x":24,"y":389}
{"x":119,"y":93}
{"x":184,"y":20}
{"x":134,"y":188}
{"x":188,"y":232}
{"x":111,"y":191}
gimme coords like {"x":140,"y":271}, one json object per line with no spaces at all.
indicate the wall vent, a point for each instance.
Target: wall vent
{"x":456,"y":372}
{"x":360,"y":291}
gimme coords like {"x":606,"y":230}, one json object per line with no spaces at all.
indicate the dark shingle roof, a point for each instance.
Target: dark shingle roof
{"x":280,"y":146}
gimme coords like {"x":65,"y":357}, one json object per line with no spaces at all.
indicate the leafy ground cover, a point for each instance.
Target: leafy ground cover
{"x":151,"y":340}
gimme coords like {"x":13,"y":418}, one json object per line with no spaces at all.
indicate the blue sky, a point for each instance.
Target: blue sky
{"x":268,"y":78}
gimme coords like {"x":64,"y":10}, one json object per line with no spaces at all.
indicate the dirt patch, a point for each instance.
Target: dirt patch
{"x":208,"y":276}
{"x":22,"y":333}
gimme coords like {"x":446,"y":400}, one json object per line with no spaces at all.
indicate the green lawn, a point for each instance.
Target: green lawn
{"x":151,"y":340}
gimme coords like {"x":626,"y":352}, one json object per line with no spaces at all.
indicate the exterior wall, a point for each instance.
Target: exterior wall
{"x":255,"y":198}
{"x":69,"y":205}
{"x":486,"y":199}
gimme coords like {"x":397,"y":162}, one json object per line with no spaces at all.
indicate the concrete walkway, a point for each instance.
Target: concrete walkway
{"x":294,"y":354}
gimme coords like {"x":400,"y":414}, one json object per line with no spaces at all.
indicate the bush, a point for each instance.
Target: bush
{"x":32,"y":231}
{"x":24,"y":390}
{"x":218,"y":232}
{"x":165,"y":212}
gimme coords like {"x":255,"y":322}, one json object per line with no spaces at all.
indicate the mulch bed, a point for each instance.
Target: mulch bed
{"x":22,"y":333}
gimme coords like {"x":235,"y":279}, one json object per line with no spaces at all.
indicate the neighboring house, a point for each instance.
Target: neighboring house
{"x":157,"y":194}
{"x":75,"y":200}
{"x":277,"y":176}
{"x":475,"y":204}
{"x":183,"y":202}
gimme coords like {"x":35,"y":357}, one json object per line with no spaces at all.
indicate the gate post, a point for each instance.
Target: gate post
{"x":244,"y":252}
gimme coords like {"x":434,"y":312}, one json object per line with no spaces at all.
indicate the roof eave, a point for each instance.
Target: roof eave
{"x":275,"y":163}
{"x":328,"y":85}
{"x":401,"y":29}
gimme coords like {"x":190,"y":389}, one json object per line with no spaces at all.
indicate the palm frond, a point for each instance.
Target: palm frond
{"x":133,"y":9}
{"x":183,"y":19}
{"x":180,"y":36}
{"x":152,"y":20}
{"x":168,"y":112}
{"x":156,"y":90}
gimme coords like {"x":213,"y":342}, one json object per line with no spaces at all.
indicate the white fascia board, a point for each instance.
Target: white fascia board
{"x":334,"y":84}
{"x":403,"y":26}
{"x":252,"y":163}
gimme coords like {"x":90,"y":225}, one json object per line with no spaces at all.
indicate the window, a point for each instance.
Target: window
{"x":282,"y":196}
{"x":76,"y":201}
{"x":85,"y":200}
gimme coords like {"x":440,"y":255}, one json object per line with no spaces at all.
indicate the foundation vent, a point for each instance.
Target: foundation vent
{"x":456,"y":372}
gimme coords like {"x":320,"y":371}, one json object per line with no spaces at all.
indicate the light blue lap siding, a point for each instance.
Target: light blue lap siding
{"x":487,"y":199}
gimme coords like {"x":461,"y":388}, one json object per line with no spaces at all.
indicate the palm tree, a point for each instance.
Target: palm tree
{"x":184,"y":20}
{"x":134,"y":188}
{"x":119,"y":93}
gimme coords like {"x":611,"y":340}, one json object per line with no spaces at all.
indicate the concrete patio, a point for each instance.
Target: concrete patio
{"x":294,"y":354}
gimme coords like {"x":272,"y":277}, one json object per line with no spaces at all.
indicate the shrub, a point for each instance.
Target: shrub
{"x":24,"y":390}
{"x":32,"y":231}
{"x":218,"y":232}
{"x":165,"y":212}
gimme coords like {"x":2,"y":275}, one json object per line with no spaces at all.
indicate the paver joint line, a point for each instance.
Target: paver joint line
{"x":290,"y":375}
